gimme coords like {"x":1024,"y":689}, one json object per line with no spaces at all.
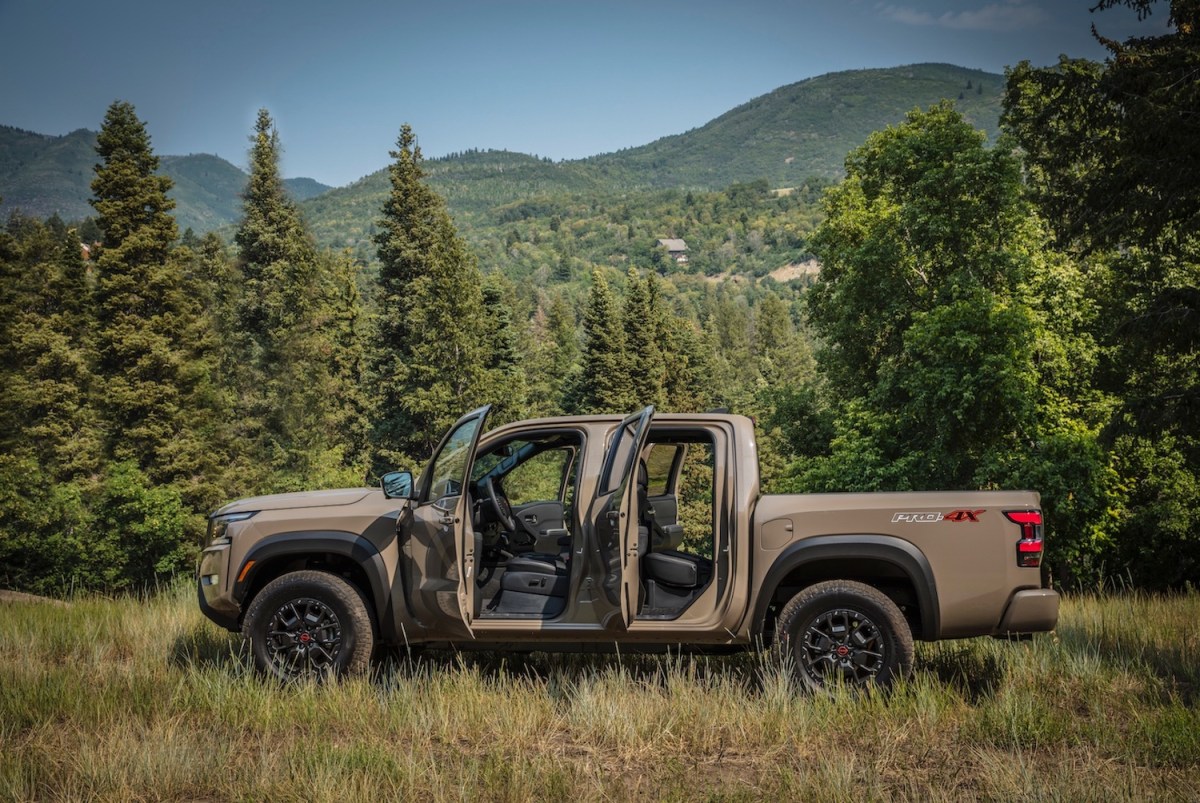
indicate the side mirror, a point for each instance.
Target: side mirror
{"x":397,"y":484}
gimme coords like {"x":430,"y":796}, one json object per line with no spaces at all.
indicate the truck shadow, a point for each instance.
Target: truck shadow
{"x":1173,"y":664}
{"x":650,"y":669}
{"x":973,"y":673}
{"x":206,"y":647}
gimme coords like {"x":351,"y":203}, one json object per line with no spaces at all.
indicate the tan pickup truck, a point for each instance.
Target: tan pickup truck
{"x":649,"y":532}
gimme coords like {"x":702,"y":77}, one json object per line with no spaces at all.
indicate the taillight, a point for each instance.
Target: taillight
{"x":1029,"y":548}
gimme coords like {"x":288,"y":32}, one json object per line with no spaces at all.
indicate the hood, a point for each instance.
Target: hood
{"x":341,"y":496}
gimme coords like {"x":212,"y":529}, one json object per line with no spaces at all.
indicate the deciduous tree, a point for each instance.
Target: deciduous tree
{"x":936,"y":350}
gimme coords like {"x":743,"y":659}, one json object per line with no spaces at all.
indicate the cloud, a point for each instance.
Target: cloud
{"x":1013,"y":15}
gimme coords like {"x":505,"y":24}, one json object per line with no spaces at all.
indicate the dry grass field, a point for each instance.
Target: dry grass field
{"x":143,"y":699}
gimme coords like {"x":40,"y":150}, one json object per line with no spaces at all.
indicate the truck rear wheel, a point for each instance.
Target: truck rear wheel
{"x":843,"y":631}
{"x":309,"y":624}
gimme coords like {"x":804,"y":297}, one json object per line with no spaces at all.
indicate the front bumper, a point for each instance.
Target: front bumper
{"x":1033,"y":610}
{"x":211,"y":582}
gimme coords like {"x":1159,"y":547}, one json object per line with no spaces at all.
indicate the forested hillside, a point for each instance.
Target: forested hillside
{"x":795,"y":137}
{"x":1012,"y":315}
{"x":786,"y":137}
{"x":43,"y":175}
{"x":803,"y":129}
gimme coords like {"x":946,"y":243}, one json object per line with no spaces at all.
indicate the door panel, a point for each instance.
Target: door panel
{"x":612,"y":518}
{"x":537,"y":520}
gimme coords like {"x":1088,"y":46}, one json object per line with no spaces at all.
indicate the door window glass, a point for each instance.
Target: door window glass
{"x":450,"y":465}
{"x":659,"y":462}
{"x":616,"y":464}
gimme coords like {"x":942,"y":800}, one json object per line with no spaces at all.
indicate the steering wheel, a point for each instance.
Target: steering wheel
{"x":500,"y":505}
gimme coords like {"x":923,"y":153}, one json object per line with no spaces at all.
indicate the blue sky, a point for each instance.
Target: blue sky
{"x":561,"y":79}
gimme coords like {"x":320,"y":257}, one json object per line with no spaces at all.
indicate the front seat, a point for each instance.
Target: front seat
{"x":537,"y":562}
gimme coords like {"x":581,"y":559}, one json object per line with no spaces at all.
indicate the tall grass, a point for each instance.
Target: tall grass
{"x":143,"y":699}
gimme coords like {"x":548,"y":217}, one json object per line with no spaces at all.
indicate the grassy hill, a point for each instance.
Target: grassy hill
{"x":44,"y":175}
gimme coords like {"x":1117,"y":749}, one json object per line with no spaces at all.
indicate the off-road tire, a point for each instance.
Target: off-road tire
{"x":330,"y":608}
{"x":843,"y":629}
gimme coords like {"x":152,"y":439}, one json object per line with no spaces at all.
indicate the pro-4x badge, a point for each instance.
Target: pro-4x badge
{"x":933,"y":517}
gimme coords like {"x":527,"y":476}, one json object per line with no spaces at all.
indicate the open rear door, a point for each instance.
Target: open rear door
{"x":614,"y":519}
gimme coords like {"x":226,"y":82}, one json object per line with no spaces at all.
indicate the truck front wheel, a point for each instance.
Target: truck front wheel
{"x":309,"y":624}
{"x":843,"y":631}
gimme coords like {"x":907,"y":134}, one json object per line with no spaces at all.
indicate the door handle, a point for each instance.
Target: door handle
{"x":531,"y":519}
{"x":449,"y":519}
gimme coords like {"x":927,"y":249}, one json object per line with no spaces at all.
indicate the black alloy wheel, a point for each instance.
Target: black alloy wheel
{"x":843,"y":632}
{"x":309,"y":625}
{"x":304,"y":637}
{"x":842,"y":643}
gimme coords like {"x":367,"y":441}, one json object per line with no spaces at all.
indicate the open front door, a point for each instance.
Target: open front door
{"x":443,"y":545}
{"x":613,"y":516}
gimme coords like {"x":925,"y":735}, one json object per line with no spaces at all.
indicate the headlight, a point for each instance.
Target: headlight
{"x":218,"y":525}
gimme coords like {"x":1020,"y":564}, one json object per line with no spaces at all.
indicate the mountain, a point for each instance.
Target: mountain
{"x":787,"y":136}
{"x":807,"y":128}
{"x":44,"y":175}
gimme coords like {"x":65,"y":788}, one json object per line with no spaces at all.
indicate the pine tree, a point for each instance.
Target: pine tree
{"x":553,"y":350}
{"x":45,"y":376}
{"x":782,"y":356}
{"x":688,"y":386}
{"x":504,"y":359}
{"x":298,"y":314}
{"x":427,"y":360}
{"x":642,"y":316}
{"x":604,"y":383}
{"x":561,"y":327}
{"x":211,"y":282}
{"x":152,"y":380}
{"x":346,"y":328}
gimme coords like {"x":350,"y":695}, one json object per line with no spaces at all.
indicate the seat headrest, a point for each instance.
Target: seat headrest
{"x":643,"y":476}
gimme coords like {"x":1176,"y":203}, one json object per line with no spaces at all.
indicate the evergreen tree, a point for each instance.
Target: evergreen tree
{"x":211,"y":281}
{"x":561,"y":327}
{"x":427,"y":360}
{"x":346,"y":330}
{"x":152,"y":380}
{"x":298,"y":314}
{"x":45,"y":376}
{"x":642,"y":317}
{"x":553,"y":351}
{"x":686,"y":362}
{"x":504,"y":361}
{"x":782,"y":354}
{"x":604,"y":383}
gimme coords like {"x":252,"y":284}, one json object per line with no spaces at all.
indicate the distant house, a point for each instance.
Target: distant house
{"x":677,"y":249}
